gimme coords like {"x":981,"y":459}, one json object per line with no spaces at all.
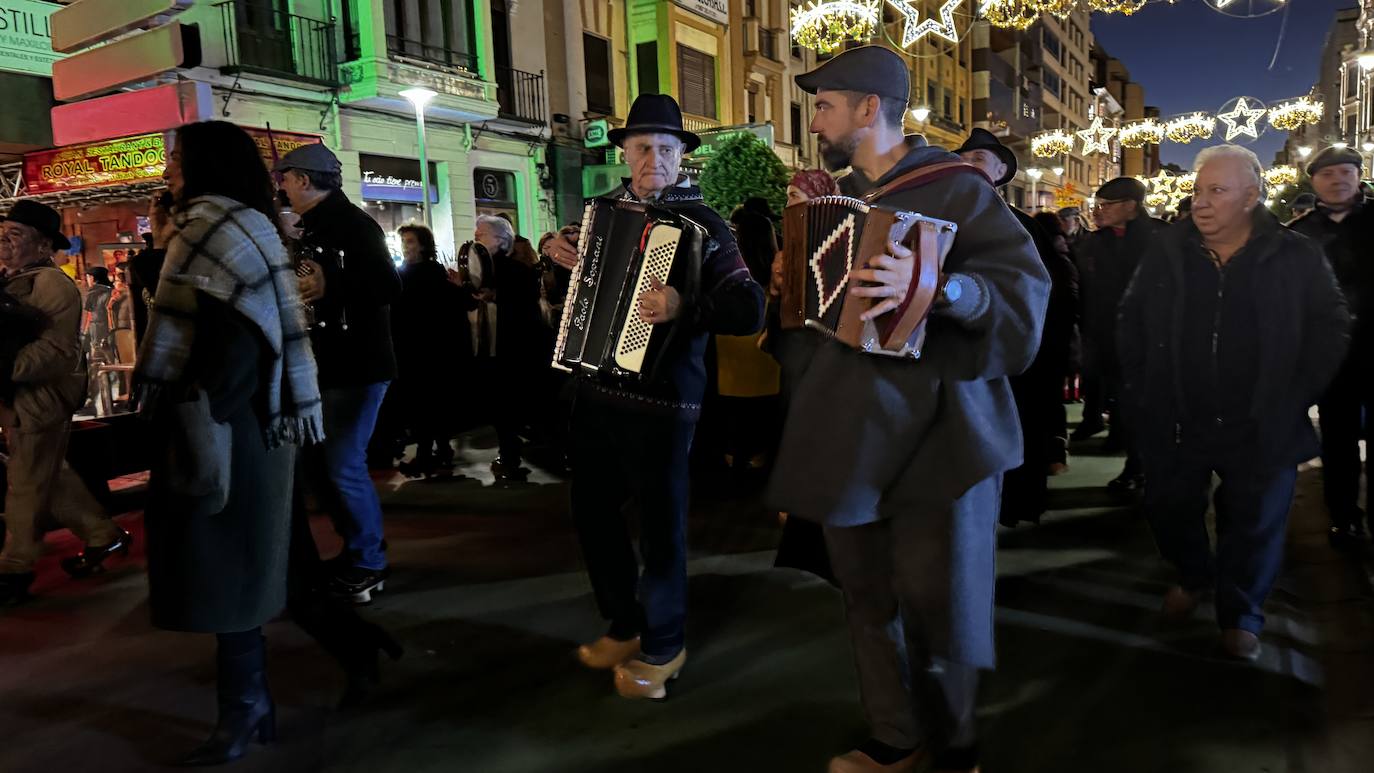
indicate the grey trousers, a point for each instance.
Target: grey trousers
{"x":911,"y":697}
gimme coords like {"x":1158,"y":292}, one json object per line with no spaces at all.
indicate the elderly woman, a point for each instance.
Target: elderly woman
{"x":1230,"y":331}
{"x":519,"y":328}
{"x":228,"y":382}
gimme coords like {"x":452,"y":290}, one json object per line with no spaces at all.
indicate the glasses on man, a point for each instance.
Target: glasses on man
{"x":1104,"y":203}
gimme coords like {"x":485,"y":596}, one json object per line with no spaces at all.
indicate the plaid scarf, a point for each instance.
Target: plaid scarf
{"x":233,"y":253}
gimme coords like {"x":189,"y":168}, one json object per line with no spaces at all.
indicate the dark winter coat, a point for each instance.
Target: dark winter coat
{"x":870,"y":437}
{"x":219,"y":572}
{"x":1349,"y":247}
{"x":429,"y":324}
{"x":1301,"y":337}
{"x":353,"y":347}
{"x":1106,"y":263}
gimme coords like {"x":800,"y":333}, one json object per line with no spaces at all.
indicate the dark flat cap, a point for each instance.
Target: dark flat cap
{"x":1122,"y":189}
{"x":314,"y":157}
{"x":866,"y":69}
{"x":1332,"y":156}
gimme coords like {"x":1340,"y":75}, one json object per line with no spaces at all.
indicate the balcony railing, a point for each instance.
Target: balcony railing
{"x":520,"y":95}
{"x":768,"y":43}
{"x":698,"y":123}
{"x":261,"y":40}
{"x":426,"y":52}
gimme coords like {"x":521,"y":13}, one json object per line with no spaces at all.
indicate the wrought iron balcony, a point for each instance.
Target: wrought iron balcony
{"x":425,"y":52}
{"x":521,"y":95}
{"x":261,"y":40}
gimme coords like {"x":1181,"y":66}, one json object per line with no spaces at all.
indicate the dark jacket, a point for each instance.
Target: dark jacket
{"x":521,"y":335}
{"x":144,"y":270}
{"x":1106,"y":263}
{"x":1348,"y":246}
{"x":729,"y":302}
{"x":353,"y":346}
{"x":1062,"y":313}
{"x":429,"y":323}
{"x":1302,"y":331}
{"x":218,"y":572}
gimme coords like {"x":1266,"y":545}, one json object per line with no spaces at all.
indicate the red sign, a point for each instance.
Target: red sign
{"x":128,"y":160}
{"x":115,"y":162}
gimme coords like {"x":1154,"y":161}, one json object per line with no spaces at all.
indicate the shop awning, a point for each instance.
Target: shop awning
{"x":12,"y":190}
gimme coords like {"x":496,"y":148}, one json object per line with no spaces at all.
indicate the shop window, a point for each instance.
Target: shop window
{"x":597,"y":59}
{"x":696,"y":72}
{"x":494,"y":191}
{"x":646,"y":64}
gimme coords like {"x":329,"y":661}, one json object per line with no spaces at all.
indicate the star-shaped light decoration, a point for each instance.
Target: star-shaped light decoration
{"x":1096,"y":137}
{"x":1242,"y":119}
{"x":916,"y":29}
{"x":1161,"y":183}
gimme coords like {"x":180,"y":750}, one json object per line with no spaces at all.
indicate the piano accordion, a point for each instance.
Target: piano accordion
{"x":825,"y":239}
{"x":622,"y":245}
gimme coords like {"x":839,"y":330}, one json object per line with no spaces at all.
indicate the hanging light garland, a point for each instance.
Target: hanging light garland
{"x":1052,"y":143}
{"x":1011,"y":14}
{"x":825,"y":25}
{"x":1184,"y":183}
{"x":1138,"y":134}
{"x":1293,"y":113}
{"x":1279,"y":176}
{"x":1020,"y":14}
{"x":1194,"y":126}
{"x":1097,"y":138}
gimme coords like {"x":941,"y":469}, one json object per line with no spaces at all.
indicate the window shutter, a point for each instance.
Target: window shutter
{"x":696,"y":74}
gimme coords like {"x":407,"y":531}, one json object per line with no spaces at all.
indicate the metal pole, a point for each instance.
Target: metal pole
{"x":424,"y":167}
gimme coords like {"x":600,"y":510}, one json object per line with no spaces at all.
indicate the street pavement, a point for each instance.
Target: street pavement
{"x":489,"y":600}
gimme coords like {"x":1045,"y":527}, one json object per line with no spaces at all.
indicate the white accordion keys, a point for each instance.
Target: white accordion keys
{"x":659,"y":251}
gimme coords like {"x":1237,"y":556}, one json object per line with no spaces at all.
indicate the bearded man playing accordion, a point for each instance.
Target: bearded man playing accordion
{"x":631,"y":436}
{"x":900,"y":458}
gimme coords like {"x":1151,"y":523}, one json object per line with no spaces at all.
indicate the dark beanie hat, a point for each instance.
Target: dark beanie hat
{"x":1332,"y":156}
{"x":1122,"y":189}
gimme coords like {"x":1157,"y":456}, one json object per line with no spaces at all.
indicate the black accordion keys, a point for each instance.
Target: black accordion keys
{"x":621,"y":246}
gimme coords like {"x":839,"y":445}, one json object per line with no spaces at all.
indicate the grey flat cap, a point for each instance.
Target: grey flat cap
{"x":310,"y":158}
{"x":1332,"y":156}
{"x":866,"y":69}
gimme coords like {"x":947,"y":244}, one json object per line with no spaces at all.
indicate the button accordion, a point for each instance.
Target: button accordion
{"x":621,"y":246}
{"x":825,"y":239}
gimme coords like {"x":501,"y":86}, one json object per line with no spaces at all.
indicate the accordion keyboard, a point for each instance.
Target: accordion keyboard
{"x":659,"y":251}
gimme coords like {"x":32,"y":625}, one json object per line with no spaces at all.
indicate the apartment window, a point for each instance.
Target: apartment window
{"x":1051,"y":44}
{"x":948,"y":105}
{"x":1351,"y":83}
{"x":751,"y":105}
{"x":646,"y":63}
{"x":930,"y":94}
{"x":796,"y":123}
{"x":696,"y":72}
{"x":751,"y":9}
{"x":435,"y":31}
{"x":962,"y":111}
{"x":1053,"y":85}
{"x":796,"y":49}
{"x":596,"y":52}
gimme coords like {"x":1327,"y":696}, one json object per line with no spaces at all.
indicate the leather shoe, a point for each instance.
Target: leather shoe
{"x":1240,"y":644}
{"x":636,"y":679}
{"x":605,"y":653}
{"x":857,"y":762}
{"x":91,"y":559}
{"x":1180,"y":603}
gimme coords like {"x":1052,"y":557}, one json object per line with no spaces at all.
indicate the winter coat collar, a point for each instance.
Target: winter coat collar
{"x":918,"y":154}
{"x":680,"y":192}
{"x":1264,"y":236}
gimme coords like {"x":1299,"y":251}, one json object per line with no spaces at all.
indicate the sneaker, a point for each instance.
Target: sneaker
{"x":359,"y":584}
{"x":508,"y":470}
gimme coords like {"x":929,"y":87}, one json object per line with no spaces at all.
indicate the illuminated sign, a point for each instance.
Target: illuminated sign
{"x":596,"y":134}
{"x":712,"y":139}
{"x":715,"y":10}
{"x":395,"y":179}
{"x":130,"y":160}
{"x":25,"y":39}
{"x":285,"y":142}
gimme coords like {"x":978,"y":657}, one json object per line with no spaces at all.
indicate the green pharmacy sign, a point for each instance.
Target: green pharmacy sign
{"x":25,"y":38}
{"x":596,"y":134}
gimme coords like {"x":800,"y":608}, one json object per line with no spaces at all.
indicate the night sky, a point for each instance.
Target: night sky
{"x":1189,"y":57}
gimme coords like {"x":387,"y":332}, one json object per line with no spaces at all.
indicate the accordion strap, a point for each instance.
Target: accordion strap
{"x":922,"y":176}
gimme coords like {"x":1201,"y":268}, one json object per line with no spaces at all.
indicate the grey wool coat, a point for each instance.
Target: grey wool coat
{"x":870,"y":437}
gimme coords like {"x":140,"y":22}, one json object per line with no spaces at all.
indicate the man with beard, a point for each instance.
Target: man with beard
{"x":1343,"y":224}
{"x":901,"y":460}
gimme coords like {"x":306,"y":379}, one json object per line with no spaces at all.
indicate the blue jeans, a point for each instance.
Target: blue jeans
{"x":350,"y":413}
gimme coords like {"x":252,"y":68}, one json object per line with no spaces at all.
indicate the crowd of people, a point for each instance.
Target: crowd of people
{"x":280,"y":350}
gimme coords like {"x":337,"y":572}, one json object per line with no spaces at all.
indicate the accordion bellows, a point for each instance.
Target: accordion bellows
{"x":622,"y":246}
{"x":825,"y":239}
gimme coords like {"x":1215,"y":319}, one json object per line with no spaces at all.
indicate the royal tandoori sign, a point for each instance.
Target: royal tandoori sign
{"x":112,"y":162}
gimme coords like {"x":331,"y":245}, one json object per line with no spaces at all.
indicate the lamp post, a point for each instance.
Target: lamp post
{"x":1034,"y":175}
{"x":419,"y":97}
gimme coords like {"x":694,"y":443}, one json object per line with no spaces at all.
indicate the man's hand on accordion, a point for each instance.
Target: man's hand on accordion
{"x":887,"y":277}
{"x":562,"y":249}
{"x":660,"y":303}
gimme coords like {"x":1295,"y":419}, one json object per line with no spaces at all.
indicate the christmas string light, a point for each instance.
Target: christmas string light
{"x":1186,"y":128}
{"x":1011,"y":14}
{"x":1293,"y":113}
{"x":1096,"y":138}
{"x":1052,"y":143}
{"x":1242,"y":119}
{"x":916,"y":29}
{"x":1138,"y":134}
{"x":825,"y":25}
{"x":1279,"y":176}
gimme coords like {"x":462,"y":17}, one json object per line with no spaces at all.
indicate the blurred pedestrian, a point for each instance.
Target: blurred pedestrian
{"x":145,"y":267}
{"x":95,"y":324}
{"x":1057,"y":342}
{"x":1231,"y":330}
{"x":229,"y":384}
{"x":1071,"y":223}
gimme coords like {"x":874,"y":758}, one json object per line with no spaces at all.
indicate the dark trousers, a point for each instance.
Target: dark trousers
{"x":1345,"y":413}
{"x":619,"y":455}
{"x":1094,"y":405}
{"x":514,"y":407}
{"x":1252,"y":516}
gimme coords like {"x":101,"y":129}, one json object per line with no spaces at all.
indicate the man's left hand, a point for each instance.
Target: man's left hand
{"x":660,"y":303}
{"x":888,"y":277}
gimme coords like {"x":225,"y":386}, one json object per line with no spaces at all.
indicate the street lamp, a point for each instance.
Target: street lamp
{"x":419,"y":97}
{"x":1034,"y":175}
{"x":1366,"y":60}
{"x":1304,"y":151}
{"x":921,"y":114}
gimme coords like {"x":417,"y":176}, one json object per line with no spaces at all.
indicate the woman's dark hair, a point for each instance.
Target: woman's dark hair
{"x":425,"y":237}
{"x":164,"y":201}
{"x":219,"y":158}
{"x":100,"y":274}
{"x":1050,"y":222}
{"x":757,"y":243}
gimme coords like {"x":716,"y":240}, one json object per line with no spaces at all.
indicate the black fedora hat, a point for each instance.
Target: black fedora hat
{"x":658,"y":114}
{"x":42,"y":218}
{"x":982,"y":139}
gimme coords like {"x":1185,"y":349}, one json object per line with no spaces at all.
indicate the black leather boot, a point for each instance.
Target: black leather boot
{"x":350,"y":640}
{"x":91,"y":559}
{"x":245,"y":708}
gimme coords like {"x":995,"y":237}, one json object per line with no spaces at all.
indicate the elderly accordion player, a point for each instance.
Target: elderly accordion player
{"x":827,"y":238}
{"x":623,"y":244}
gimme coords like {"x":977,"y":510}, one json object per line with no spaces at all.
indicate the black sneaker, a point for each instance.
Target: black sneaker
{"x":358,"y":583}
